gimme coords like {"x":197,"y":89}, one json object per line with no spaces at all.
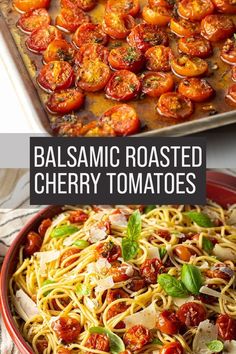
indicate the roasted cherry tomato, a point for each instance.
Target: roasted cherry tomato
{"x":228,"y":52}
{"x":123,"y":119}
{"x":195,"y":46}
{"x":225,"y":6}
{"x":118,"y":25}
{"x":45,"y":224}
{"x":91,"y":52}
{"x":234,"y":73}
{"x":33,"y":243}
{"x":217,"y":27}
{"x":113,"y":295}
{"x":173,"y":105}
{"x":123,"y":86}
{"x":34,"y":19}
{"x":69,"y":257}
{"x":93,"y":75}
{"x":67,"y":329}
{"x":85,"y":5}
{"x":135,"y":338}
{"x":169,"y":4}
{"x":158,"y":58}
{"x":172,"y":348}
{"x":98,"y":342}
{"x":226,"y":327}
{"x":109,"y":250}
{"x":136,"y":284}
{"x":59,"y":49}
{"x":219,"y":271}
{"x":150,"y":270}
{"x":145,"y":36}
{"x":197,"y":90}
{"x":65,"y":101}
{"x":191,"y":314}
{"x":78,"y":216}
{"x":55,"y":76}
{"x":39,"y":39}
{"x":116,"y":309}
{"x":41,"y":345}
{"x":168,"y":322}
{"x":130,"y":7}
{"x":126,"y":58}
{"x":69,"y":19}
{"x":154,"y":84}
{"x":64,"y":351}
{"x":158,"y":15}
{"x":231,"y":95}
{"x":93,"y":129}
{"x":195,"y":10}
{"x":28,"y":5}
{"x":189,"y":66}
{"x":126,"y":352}
{"x":184,"y":253}
{"x":89,"y":33}
{"x":120,"y":272}
{"x":184,"y":28}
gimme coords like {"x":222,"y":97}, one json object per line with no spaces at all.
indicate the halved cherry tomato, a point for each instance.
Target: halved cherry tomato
{"x":93,"y":75}
{"x":93,"y":129}
{"x":173,"y":105}
{"x":63,"y":351}
{"x":116,"y":309}
{"x":34,"y":19}
{"x":45,"y":224}
{"x":130,"y":7}
{"x":65,"y":101}
{"x":85,"y":5}
{"x":39,"y":39}
{"x":150,"y":270}
{"x":77,"y":216}
{"x":59,"y":49}
{"x":154,"y":84}
{"x":56,"y":75}
{"x":33,"y":243}
{"x":226,"y":327}
{"x":218,"y":272}
{"x":172,"y":348}
{"x":231,"y":95}
{"x":168,"y":322}
{"x":69,"y":19}
{"x":98,"y":341}
{"x":228,"y":52}
{"x":41,"y":345}
{"x":145,"y":36}
{"x":217,"y":27}
{"x":184,"y":253}
{"x":118,"y":25}
{"x":109,"y":250}
{"x":91,"y":52}
{"x":195,"y":46}
{"x":120,"y":272}
{"x":158,"y":15}
{"x":123,"y":119}
{"x":225,"y":6}
{"x":136,"y":284}
{"x":184,"y":28}
{"x":158,"y":58}
{"x":123,"y":86}
{"x":169,"y":4}
{"x":89,"y":33}
{"x":75,"y":128}
{"x":66,"y":329}
{"x":195,"y":10}
{"x":197,"y":90}
{"x":28,"y":5}
{"x":187,"y":66}
{"x":135,"y":338}
{"x":126,"y":58}
{"x":234,"y":73}
{"x":191,"y":314}
{"x":71,"y":253}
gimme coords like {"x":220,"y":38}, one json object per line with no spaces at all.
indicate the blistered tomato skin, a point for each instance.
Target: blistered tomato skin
{"x":69,"y":19}
{"x":34,"y":19}
{"x":45,"y":224}
{"x":198,"y":90}
{"x":118,"y":25}
{"x":175,"y":106}
{"x":109,"y":250}
{"x":172,"y":348}
{"x":98,"y":342}
{"x":195,"y":10}
{"x":123,"y":86}
{"x":130,"y":7}
{"x":63,"y":351}
{"x":226,"y":327}
{"x":158,"y":58}
{"x":135,"y":338}
{"x":67,"y":329}
{"x":185,"y":66}
{"x":150,"y":270}
{"x":56,"y":75}
{"x":65,"y":101}
{"x":231,"y":95}
{"x":191,"y":314}
{"x":28,"y":5}
{"x":91,"y":52}
{"x":89,"y":33}
{"x":40,"y":38}
{"x":93,"y":75}
{"x":228,"y":52}
{"x":33,"y":243}
{"x":225,"y":6}
{"x":195,"y":46}
{"x":184,"y":28}
{"x":217,"y":27}
{"x":154,"y":84}
{"x":168,"y":323}
{"x":59,"y":49}
{"x":64,"y":263}
{"x":126,"y":58}
{"x":158,"y":15}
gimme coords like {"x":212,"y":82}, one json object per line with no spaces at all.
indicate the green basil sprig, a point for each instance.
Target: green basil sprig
{"x":215,"y":346}
{"x":149,"y":208}
{"x":130,"y":246}
{"x":157,"y":341}
{"x":47,"y":282}
{"x":172,"y":286}
{"x":162,"y":252}
{"x":82,"y":290}
{"x":200,"y":219}
{"x":116,"y":344}
{"x":191,"y":278}
{"x":207,"y":245}
{"x":63,"y":231}
{"x":81,"y":244}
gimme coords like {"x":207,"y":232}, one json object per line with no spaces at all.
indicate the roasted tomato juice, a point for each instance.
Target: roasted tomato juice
{"x":200,"y":59}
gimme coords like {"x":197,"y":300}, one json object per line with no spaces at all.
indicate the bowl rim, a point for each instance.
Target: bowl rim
{"x":215,"y":181}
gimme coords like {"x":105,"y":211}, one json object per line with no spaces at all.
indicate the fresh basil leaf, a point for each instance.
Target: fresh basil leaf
{"x":63,"y":231}
{"x":157,"y":341}
{"x":81,"y":244}
{"x":82,"y":290}
{"x":47,"y":282}
{"x":207,"y":245}
{"x":149,"y":208}
{"x":216,"y":346}
{"x":200,"y":219}
{"x":116,"y":344}
{"x":162,"y":252}
{"x":192,"y":278}
{"x":172,"y":286}
{"x":130,"y":246}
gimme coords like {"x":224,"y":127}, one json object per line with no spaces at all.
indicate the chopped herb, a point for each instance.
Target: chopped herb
{"x":162,"y":252}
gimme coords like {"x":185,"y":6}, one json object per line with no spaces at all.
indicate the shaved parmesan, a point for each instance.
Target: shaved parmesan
{"x":152,"y":252}
{"x":104,"y":284}
{"x":129,"y":271}
{"x":213,"y":215}
{"x":204,"y":265}
{"x":229,"y":347}
{"x":102,"y":264}
{"x":97,"y":234}
{"x":58,"y":220}
{"x":91,"y":304}
{"x":224,"y":253}
{"x":232,"y":218}
{"x":179,"y":302}
{"x":208,"y":291}
{"x":118,"y":220}
{"x":46,"y":257}
{"x":27,"y":305}
{"x":146,"y":317}
{"x":206,"y":332}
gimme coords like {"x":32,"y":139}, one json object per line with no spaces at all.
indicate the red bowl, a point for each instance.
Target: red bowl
{"x":220,"y":187}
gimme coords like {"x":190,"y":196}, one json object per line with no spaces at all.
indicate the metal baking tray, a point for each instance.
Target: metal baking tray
{"x":25,"y":82}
